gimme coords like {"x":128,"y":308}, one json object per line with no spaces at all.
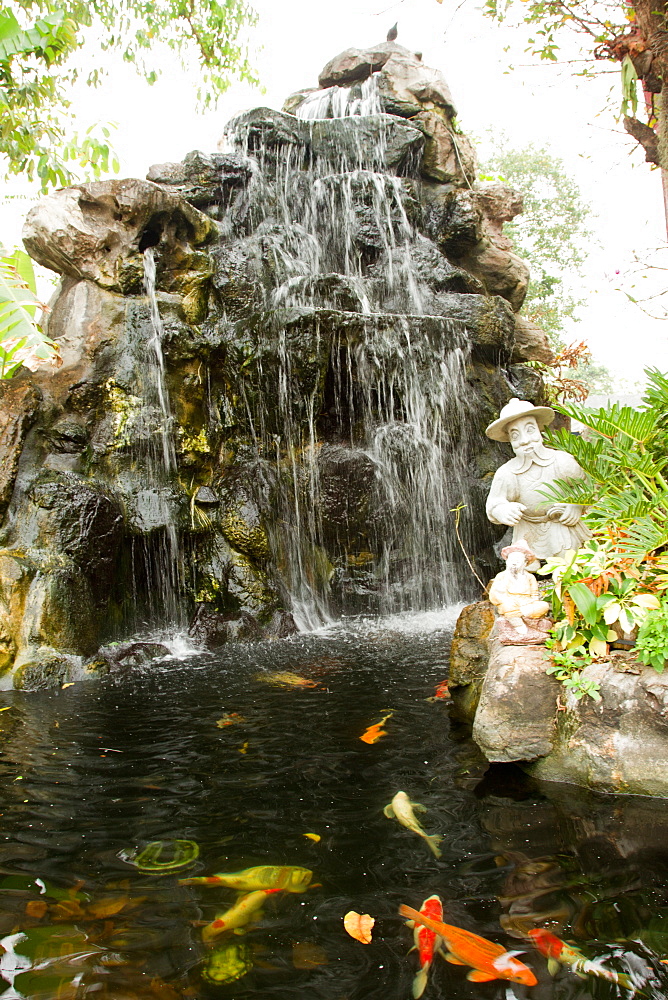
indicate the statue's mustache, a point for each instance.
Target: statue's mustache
{"x":534,"y":453}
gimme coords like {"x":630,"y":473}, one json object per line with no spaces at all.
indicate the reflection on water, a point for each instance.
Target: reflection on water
{"x":203,"y":750}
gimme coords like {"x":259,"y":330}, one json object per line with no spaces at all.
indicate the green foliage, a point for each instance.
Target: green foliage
{"x":39,"y":40}
{"x":624,"y":456}
{"x":21,"y":337}
{"x":552,"y":234}
{"x":568,"y":668}
{"x":652,"y":641}
{"x":590,"y":593}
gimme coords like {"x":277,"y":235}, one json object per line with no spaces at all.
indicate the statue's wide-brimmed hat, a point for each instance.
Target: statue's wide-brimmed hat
{"x":498,"y":429}
{"x":519,"y":546}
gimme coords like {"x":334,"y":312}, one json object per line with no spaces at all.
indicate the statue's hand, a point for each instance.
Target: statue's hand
{"x":571,"y":515}
{"x":509,"y":513}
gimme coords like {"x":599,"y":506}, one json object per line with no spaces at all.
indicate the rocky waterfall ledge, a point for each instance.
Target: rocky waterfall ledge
{"x":521,"y":714}
{"x":279,"y":359}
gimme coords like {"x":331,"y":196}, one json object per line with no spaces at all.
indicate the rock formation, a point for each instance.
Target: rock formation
{"x":521,"y":714}
{"x":281,"y":419}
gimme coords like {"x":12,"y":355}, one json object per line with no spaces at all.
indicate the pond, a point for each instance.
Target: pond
{"x":206,"y":749}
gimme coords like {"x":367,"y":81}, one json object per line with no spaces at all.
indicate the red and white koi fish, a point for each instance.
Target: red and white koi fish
{"x":427,"y":942}
{"x":488,"y":960}
{"x":559,"y":953}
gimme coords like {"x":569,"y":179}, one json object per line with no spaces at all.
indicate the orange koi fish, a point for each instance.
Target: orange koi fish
{"x":441,"y":693}
{"x":559,"y":953}
{"x":238,"y":915}
{"x":488,"y":960}
{"x":373,"y":733}
{"x":427,"y":942}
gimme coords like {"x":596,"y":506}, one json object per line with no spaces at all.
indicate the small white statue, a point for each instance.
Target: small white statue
{"x":515,"y":594}
{"x":548,"y":528}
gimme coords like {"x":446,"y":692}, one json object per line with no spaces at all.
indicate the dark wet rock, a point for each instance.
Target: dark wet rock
{"x":67,"y":436}
{"x":44,"y":668}
{"x":357,"y":64}
{"x":124,"y":655}
{"x":371,"y":141}
{"x":281,"y":625}
{"x":349,"y":498}
{"x":206,"y":497}
{"x":453,"y":219}
{"x":82,"y":520}
{"x":19,"y":401}
{"x":204,"y":180}
{"x":213,"y":629}
{"x":469,"y":657}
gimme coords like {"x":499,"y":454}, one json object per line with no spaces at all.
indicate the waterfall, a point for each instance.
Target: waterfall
{"x":344,"y":250}
{"x":157,"y":557}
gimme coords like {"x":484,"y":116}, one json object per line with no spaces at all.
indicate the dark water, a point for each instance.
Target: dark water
{"x":95,"y":770}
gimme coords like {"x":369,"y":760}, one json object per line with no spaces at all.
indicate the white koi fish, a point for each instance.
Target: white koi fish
{"x":401,"y":808}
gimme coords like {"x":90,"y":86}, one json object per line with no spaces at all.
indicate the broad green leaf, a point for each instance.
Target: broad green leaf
{"x":585,"y":601}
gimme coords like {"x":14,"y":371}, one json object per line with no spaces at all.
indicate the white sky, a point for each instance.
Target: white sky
{"x":542,"y":104}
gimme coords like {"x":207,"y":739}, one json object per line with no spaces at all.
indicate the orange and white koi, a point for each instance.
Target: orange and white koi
{"x":559,"y":953}
{"x":488,"y":960}
{"x":427,"y":942}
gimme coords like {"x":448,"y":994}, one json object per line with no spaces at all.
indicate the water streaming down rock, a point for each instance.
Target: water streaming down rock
{"x":401,"y":381}
{"x":333,"y":327}
{"x":158,"y":548}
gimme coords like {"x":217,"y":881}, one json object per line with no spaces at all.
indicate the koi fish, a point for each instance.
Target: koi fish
{"x":401,"y":808}
{"x":230,"y":719}
{"x":373,"y":733}
{"x":228,"y":962}
{"x":559,"y":953}
{"x":289,"y":878}
{"x":441,"y":693}
{"x":286,"y":679}
{"x":488,"y":960}
{"x":427,"y":942}
{"x":238,"y":915}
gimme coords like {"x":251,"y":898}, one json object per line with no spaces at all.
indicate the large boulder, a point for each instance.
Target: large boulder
{"x":98,"y":231}
{"x":469,"y":657}
{"x":617,"y":744}
{"x":516,"y":715}
{"x":449,"y":156}
{"x":405,"y":84}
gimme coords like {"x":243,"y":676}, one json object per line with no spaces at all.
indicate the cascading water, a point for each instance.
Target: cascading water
{"x":157,"y":557}
{"x":343,"y":244}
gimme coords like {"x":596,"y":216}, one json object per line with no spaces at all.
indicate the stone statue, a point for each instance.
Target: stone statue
{"x":514,"y":592}
{"x":548,"y":528}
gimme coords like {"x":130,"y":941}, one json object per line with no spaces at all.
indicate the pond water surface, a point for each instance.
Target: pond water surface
{"x":94,"y":772}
